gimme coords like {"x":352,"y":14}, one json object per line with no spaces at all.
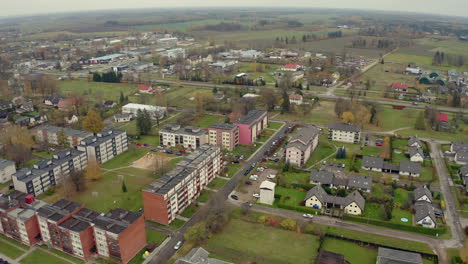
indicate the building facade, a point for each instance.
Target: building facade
{"x":251,"y":126}
{"x":52,"y":134}
{"x":156,"y":112}
{"x":224,"y":135}
{"x":190,"y":137}
{"x":342,"y":132}
{"x":7,"y":168}
{"x":106,"y":145}
{"x":175,"y":191}
{"x":301,"y":145}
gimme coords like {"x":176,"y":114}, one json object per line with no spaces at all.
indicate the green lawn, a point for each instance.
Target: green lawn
{"x":400,"y":197}
{"x":246,"y":150}
{"x":9,"y":250}
{"x":97,"y":90}
{"x":323,"y":150}
{"x":126,"y":158}
{"x":296,"y":177}
{"x":204,"y":196}
{"x":31,"y":162}
{"x":153,"y":236}
{"x":39,"y":256}
{"x":371,"y":151}
{"x":265,"y":135}
{"x":206,"y":120}
{"x":217,"y":183}
{"x":233,"y":169}
{"x":44,"y":155}
{"x":275,"y":125}
{"x":245,"y":242}
{"x":321,"y":114}
{"x":62,"y":254}
{"x":352,"y":252}
{"x":189,"y":211}
{"x":295,"y":196}
{"x":372,"y":210}
{"x":150,"y":140}
{"x":174,"y":225}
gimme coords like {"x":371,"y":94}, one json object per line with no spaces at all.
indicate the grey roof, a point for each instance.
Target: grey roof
{"x":68,"y":131}
{"x":321,"y":176}
{"x":81,"y":220}
{"x":345,"y":127}
{"x":11,"y":200}
{"x":411,"y":167}
{"x":390,"y":166}
{"x":318,"y":192}
{"x":464,"y":170}
{"x":373,"y":162}
{"x":421,"y":191}
{"x":462,"y":156}
{"x":188,"y":130}
{"x":122,"y":115}
{"x":393,"y":256}
{"x":357,"y":198}
{"x":5,"y":163}
{"x":199,"y":256}
{"x":324,"y":197}
{"x":459,"y":146}
{"x":414,"y":139}
{"x":225,"y":126}
{"x":423,"y":209}
{"x":251,"y":117}
{"x":359,"y":181}
{"x":416,"y":150}
{"x":58,"y":210}
{"x":303,"y":137}
{"x":102,"y":136}
{"x":116,"y":221}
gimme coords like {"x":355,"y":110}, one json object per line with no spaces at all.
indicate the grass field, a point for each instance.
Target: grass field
{"x":187,"y":26}
{"x":321,"y":114}
{"x":153,"y":236}
{"x":352,"y":252}
{"x":323,"y":150}
{"x":126,"y":158}
{"x":297,"y":177}
{"x":275,"y":125}
{"x":217,"y":183}
{"x":243,"y":242}
{"x":204,"y":196}
{"x":295,"y":196}
{"x":383,"y":75}
{"x":96,"y":90}
{"x":185,"y":96}
{"x":206,"y":120}
{"x":39,"y":256}
{"x":9,"y":250}
{"x":189,"y":211}
{"x":372,"y":210}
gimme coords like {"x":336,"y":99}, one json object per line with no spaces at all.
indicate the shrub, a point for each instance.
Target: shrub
{"x":288,"y":224}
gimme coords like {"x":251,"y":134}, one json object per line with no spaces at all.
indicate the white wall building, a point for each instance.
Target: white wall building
{"x":7,"y":168}
{"x":267,"y":192}
{"x":189,"y":137}
{"x":154,"y":110}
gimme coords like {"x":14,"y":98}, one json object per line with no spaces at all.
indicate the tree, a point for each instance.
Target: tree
{"x":348,"y":117}
{"x":288,"y":224}
{"x":17,"y":142}
{"x":77,"y":179}
{"x":215,"y":90}
{"x":285,"y":106}
{"x":124,"y":187}
{"x":93,"y":122}
{"x":62,"y":139}
{"x":93,"y":171}
{"x":197,"y":233}
{"x":122,"y":99}
{"x":143,"y":122}
{"x":269,"y":98}
{"x":420,"y":124}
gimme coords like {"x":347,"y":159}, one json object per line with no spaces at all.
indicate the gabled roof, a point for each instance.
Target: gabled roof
{"x":303,"y":137}
{"x":411,"y":167}
{"x":462,"y":156}
{"x":295,"y":97}
{"x":292,"y":66}
{"x":357,"y":198}
{"x":322,"y":176}
{"x":267,"y":185}
{"x":421,"y":191}
{"x":415,"y":150}
{"x":414,"y":139}
{"x":318,"y":192}
{"x":251,"y":117}
{"x":359,"y":181}
{"x":373,"y":162}
{"x":442,"y":117}
{"x":345,"y":127}
{"x":423,"y":209}
{"x":393,"y":256}
{"x":399,"y":85}
{"x":459,"y":146}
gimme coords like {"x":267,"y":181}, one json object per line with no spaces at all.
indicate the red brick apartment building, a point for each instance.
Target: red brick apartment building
{"x":175,"y":191}
{"x":71,"y":228}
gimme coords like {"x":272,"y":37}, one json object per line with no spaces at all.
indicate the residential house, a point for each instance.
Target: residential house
{"x":359,"y":182}
{"x":156,"y":112}
{"x":52,"y":100}
{"x":302,"y":143}
{"x":105,"y":146}
{"x":400,"y":87}
{"x":169,"y":195}
{"x":413,"y":70}
{"x":458,"y":146}
{"x":327,"y":178}
{"x":317,"y":198}
{"x":443,"y":122}
{"x":7,"y":168}
{"x":292,"y":67}
{"x":416,"y":154}
{"x":414,"y":141}
{"x":343,"y":132}
{"x":26,"y":107}
{"x":199,"y":256}
{"x":120,"y":118}
{"x":267,"y":192}
{"x":327,"y":257}
{"x":409,"y":168}
{"x":296,"y":99}
{"x":424,"y":214}
{"x":461,"y":157}
{"x":372,"y":163}
{"x":52,"y":135}
{"x":109,"y":104}
{"x":71,"y":119}
{"x":49,"y":172}
{"x":66,"y":104}
{"x":146,"y":89}
{"x":393,"y":256}
{"x":190,"y":137}
{"x":422,"y":193}
{"x":251,"y":126}
{"x":224,"y":135}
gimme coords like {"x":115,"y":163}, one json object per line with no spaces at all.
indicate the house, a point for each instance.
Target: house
{"x":146,"y":89}
{"x":120,"y":118}
{"x":327,"y":257}
{"x":224,"y":135}
{"x":414,"y":141}
{"x":422,"y":193}
{"x":372,"y":163}
{"x":302,"y":143}
{"x":428,"y":96}
{"x":199,"y":256}
{"x":190,"y":137}
{"x":409,"y":168}
{"x":7,"y":168}
{"x":292,"y":67}
{"x":343,"y":132}
{"x":461,"y":157}
{"x":66,"y":104}
{"x":109,"y":104}
{"x":443,"y":121}
{"x":359,"y":182}
{"x":5,"y":105}
{"x":26,"y":107}
{"x":393,"y":256}
{"x":458,"y":146}
{"x":322,"y":177}
{"x":413,"y":70}
{"x":71,"y":119}
{"x":464,"y":175}
{"x":267,"y":192}
{"x":424,"y":214}
{"x":156,"y":112}
{"x":400,"y":87}
{"x":296,"y":99}
{"x":52,"y":100}
{"x":317,"y":198}
{"x":251,"y":126}
{"x":356,"y":182}
{"x":189,"y":177}
{"x":105,"y":146}
{"x":416,"y":154}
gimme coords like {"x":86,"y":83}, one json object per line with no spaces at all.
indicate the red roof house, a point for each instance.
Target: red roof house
{"x":145,"y":89}
{"x":442,"y":117}
{"x":291,"y":67}
{"x":401,"y":87}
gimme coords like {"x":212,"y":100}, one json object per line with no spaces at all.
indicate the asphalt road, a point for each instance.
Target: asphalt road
{"x":168,"y":250}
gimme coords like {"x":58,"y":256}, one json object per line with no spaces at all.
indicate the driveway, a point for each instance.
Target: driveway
{"x":247,"y":196}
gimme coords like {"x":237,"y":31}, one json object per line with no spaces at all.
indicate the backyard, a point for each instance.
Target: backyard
{"x":352,"y":252}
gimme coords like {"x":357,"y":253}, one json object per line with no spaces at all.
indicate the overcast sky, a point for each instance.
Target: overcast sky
{"x":21,"y":7}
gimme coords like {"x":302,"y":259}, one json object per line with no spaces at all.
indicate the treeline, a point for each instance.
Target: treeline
{"x":362,"y":43}
{"x":336,"y":34}
{"x":310,"y":37}
{"x":192,"y":77}
{"x":243,"y":81}
{"x":222,"y":27}
{"x":440,"y":58}
{"x":110,"y":77}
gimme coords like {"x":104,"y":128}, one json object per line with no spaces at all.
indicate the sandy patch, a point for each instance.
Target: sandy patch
{"x":151,"y":161}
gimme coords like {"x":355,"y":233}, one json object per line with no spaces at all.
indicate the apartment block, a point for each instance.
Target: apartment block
{"x":344,"y":132}
{"x":51,"y":135}
{"x":190,"y":137}
{"x":301,"y":145}
{"x":49,"y":172}
{"x":171,"y":194}
{"x":7,"y":168}
{"x":224,"y":135}
{"x":120,"y":234}
{"x":106,"y":145}
{"x":251,"y":126}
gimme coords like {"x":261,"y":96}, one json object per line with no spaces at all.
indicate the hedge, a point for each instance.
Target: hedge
{"x":304,"y":186}
{"x":414,"y":229}
{"x":301,"y":209}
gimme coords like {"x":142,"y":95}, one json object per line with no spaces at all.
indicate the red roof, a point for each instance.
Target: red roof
{"x":143,"y":87}
{"x":442,"y":117}
{"x":399,"y":85}
{"x":291,"y":66}
{"x":295,"y":97}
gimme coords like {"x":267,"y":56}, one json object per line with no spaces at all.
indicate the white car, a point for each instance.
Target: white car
{"x":307,"y":216}
{"x":256,"y":195}
{"x":271,"y":176}
{"x":178,"y":245}
{"x":253,"y":178}
{"x":260,"y":169}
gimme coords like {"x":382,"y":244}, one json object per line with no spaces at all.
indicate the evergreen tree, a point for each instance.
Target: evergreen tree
{"x":124,"y":187}
{"x":122,"y":99}
{"x":215,"y":90}
{"x":285,"y":105}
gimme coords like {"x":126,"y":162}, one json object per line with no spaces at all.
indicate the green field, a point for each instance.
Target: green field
{"x":204,"y":196}
{"x":153,"y":236}
{"x":39,"y":256}
{"x":321,"y":114}
{"x":352,"y":252}
{"x":243,"y":242}
{"x":295,"y":196}
{"x":185,"y":96}
{"x":97,"y":90}
{"x":324,"y":149}
{"x":275,"y":125}
{"x":187,"y":26}
{"x":217,"y":183}
{"x":126,"y":158}
{"x":206,"y":120}
{"x":296,"y":177}
{"x":9,"y":250}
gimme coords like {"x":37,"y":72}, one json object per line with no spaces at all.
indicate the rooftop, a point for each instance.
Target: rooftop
{"x":252,"y":117}
{"x":393,"y":256}
{"x":116,"y":221}
{"x":68,"y":131}
{"x":101,"y":137}
{"x":345,"y":127}
{"x":225,"y":126}
{"x":5,"y":163}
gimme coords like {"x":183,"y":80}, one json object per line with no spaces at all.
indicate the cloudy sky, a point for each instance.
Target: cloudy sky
{"x":21,"y":7}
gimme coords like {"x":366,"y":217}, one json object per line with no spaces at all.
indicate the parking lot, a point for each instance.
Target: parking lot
{"x":254,"y":187}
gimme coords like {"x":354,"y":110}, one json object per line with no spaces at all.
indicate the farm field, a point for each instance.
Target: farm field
{"x":321,"y":114}
{"x":185,"y":96}
{"x":96,"y":90}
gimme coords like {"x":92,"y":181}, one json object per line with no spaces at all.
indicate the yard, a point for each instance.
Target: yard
{"x":153,"y":236}
{"x":321,"y":114}
{"x":9,"y":250}
{"x":206,"y":120}
{"x":295,"y":196}
{"x":232,"y":169}
{"x":243,"y":242}
{"x":96,"y":90}
{"x":352,"y":252}
{"x":40,"y":256}
{"x":275,"y":125}
{"x":246,"y":150}
{"x":217,"y":183}
{"x":324,"y":149}
{"x":204,"y":196}
{"x":296,"y":177}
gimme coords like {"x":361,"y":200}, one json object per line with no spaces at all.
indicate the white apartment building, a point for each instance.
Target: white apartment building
{"x":7,"y":168}
{"x":49,"y":172}
{"x":190,"y":137}
{"x":301,"y":145}
{"x":106,"y":145}
{"x":343,"y":132}
{"x":154,"y":110}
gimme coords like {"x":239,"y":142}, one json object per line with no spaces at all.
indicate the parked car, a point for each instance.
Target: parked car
{"x":248,"y":182}
{"x":263,"y":166}
{"x":271,"y":176}
{"x":256,"y":195}
{"x":253,"y":177}
{"x":182,"y":150}
{"x":138,"y":144}
{"x":178,"y":245}
{"x":235,"y":197}
{"x":307,"y":216}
